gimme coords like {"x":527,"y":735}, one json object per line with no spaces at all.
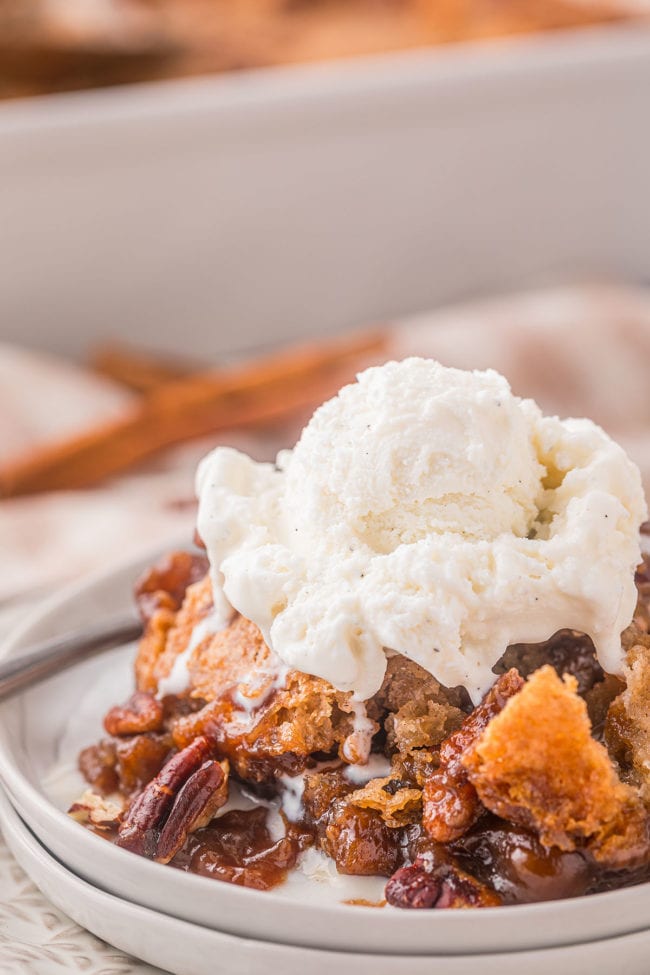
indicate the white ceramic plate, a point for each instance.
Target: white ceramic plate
{"x":188,"y":949}
{"x":34,"y":730}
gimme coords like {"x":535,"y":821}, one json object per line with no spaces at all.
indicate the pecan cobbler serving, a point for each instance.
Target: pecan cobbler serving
{"x":418,"y":645}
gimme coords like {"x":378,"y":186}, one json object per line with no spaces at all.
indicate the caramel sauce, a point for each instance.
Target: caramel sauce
{"x":238,"y":848}
{"x":362,"y":902}
{"x":513,"y":862}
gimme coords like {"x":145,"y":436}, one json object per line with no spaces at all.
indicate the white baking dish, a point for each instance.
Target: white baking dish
{"x":213,"y":215}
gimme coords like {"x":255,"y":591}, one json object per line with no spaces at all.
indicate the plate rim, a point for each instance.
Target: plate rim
{"x":20,"y":833}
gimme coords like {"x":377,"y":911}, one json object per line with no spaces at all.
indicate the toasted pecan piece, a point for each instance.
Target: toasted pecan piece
{"x":139,"y":759}
{"x":356,"y":838}
{"x":124,"y":765}
{"x":99,"y":766}
{"x":360,"y":842}
{"x":198,"y":800}
{"x":398,"y":803}
{"x":627,"y":727}
{"x":95,"y":810}
{"x":436,"y":881}
{"x":147,"y":815}
{"x":537,"y":765}
{"x":164,"y":585}
{"x":451,"y":804}
{"x":142,"y":712}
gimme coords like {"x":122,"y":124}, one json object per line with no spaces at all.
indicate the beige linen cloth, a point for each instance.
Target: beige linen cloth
{"x":579,"y":351}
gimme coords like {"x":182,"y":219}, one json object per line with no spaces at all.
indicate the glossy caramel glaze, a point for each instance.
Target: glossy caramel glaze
{"x":238,"y":848}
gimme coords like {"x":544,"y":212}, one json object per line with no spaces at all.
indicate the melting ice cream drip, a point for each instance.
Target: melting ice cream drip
{"x":178,"y":679}
{"x":356,"y":748}
{"x":293,"y":787}
{"x":377,"y":767}
{"x":255,"y":688}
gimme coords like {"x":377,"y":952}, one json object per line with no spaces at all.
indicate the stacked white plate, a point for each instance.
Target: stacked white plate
{"x":192,"y":925}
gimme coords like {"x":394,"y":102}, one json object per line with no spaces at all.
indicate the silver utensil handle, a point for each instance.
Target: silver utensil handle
{"x":55,"y":655}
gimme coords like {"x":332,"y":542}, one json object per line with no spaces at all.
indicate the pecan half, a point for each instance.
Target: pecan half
{"x":141,"y":827}
{"x":195,"y":805}
{"x":450,"y":802}
{"x":439,"y":883}
{"x":142,"y":712}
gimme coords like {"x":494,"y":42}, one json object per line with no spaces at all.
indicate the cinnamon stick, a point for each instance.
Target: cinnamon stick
{"x":138,"y":370}
{"x":256,"y":393}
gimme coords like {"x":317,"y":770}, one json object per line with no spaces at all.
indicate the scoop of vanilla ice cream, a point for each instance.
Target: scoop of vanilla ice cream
{"x":425,"y":511}
{"x":409,"y":450}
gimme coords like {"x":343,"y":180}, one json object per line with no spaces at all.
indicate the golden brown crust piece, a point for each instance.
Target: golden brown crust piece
{"x":627,"y":724}
{"x":421,"y":711}
{"x":151,"y":648}
{"x":301,"y":716}
{"x":627,"y":728}
{"x":168,"y":634}
{"x":396,"y":806}
{"x":537,"y":765}
{"x":450,"y":802}
{"x":305,"y":714}
{"x":160,"y":593}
